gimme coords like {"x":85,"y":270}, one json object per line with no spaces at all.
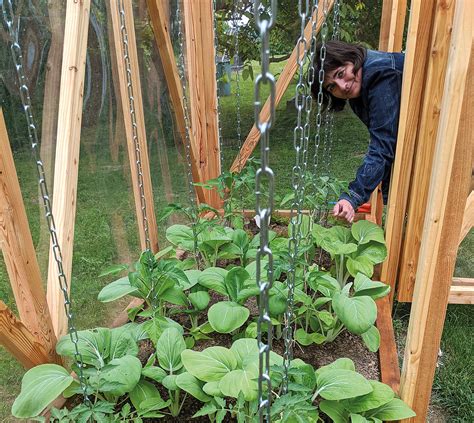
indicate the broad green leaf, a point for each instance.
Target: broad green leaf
{"x":155,"y":327}
{"x":364,"y":232}
{"x":212,"y":389}
{"x":234,"y":281}
{"x":144,"y":391}
{"x":335,"y":411}
{"x":374,"y":289}
{"x":360,"y":265}
{"x":39,"y":387}
{"x":200,"y":300}
{"x":338,"y":384}
{"x":174,"y":295}
{"x":169,"y":382}
{"x":209,"y":365}
{"x":238,"y":381}
{"x":229,"y":251}
{"x":226,"y":316}
{"x":371,"y":339}
{"x":277,"y":304}
{"x":240,"y":238}
{"x":381,"y":395}
{"x":93,"y":344}
{"x":357,"y":418}
{"x":122,"y":342}
{"x":215,"y":237}
{"x":305,"y":338}
{"x":342,"y":234}
{"x":181,"y":236}
{"x":164,"y":252}
{"x":324,"y":283}
{"x":374,"y":251}
{"x":187,"y":382}
{"x":213,"y":278}
{"x":169,"y":347}
{"x":357,"y":313}
{"x":193,"y":277}
{"x":155,"y":373}
{"x":244,"y":348}
{"x":118,"y":377}
{"x":115,"y":290}
{"x":113,"y":270}
{"x":396,"y":409}
{"x":340,"y":363}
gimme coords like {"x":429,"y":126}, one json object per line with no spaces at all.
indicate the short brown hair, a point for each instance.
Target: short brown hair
{"x":338,"y":53}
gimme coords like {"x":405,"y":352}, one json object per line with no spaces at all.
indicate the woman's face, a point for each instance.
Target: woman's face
{"x":342,"y":83}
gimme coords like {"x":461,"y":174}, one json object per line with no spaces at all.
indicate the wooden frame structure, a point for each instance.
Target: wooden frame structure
{"x":435,"y":131}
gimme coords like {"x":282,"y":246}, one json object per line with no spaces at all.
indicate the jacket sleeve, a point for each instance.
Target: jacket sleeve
{"x":383,"y":111}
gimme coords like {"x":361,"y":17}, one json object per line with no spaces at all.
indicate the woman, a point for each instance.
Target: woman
{"x":371,"y":81}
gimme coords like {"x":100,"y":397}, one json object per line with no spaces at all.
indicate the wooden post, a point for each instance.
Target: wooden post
{"x":19,"y":254}
{"x":140,"y":122}
{"x":159,"y":20}
{"x":414,"y":74}
{"x":200,"y":52}
{"x":468,"y":219}
{"x":447,"y":195}
{"x":67,"y":152}
{"x":390,"y":39}
{"x":19,"y":341}
{"x":437,"y":64}
{"x":281,"y":85}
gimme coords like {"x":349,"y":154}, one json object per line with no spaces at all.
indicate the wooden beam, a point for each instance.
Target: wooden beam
{"x":200,"y":52}
{"x":462,"y":291}
{"x":19,"y":253}
{"x":392,"y":25}
{"x":138,"y":124}
{"x":67,"y":152}
{"x":468,"y":219}
{"x":414,"y":74}
{"x":19,"y":341}
{"x":281,"y":85}
{"x":430,"y":117}
{"x":160,"y":23}
{"x":388,"y":357}
{"x":444,"y":212}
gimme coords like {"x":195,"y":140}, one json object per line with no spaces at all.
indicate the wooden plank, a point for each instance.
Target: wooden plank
{"x":419,"y":33}
{"x":468,"y":219}
{"x":67,"y":152}
{"x":447,"y":195}
{"x":160,"y":23}
{"x":462,"y":291}
{"x":388,"y":357}
{"x":139,"y":123}
{"x":430,"y":118}
{"x":19,"y":253}
{"x":281,"y":85}
{"x":200,"y":53}
{"x":19,"y":341}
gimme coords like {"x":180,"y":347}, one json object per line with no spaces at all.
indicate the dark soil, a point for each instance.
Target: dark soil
{"x":281,"y":230}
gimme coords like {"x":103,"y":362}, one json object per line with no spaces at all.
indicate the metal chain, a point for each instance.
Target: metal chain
{"x":187,"y":141}
{"x":237,"y":90}
{"x":131,"y":102}
{"x":300,"y":144}
{"x":8,"y":17}
{"x":265,"y":176}
{"x":319,"y":99}
{"x":219,"y":129}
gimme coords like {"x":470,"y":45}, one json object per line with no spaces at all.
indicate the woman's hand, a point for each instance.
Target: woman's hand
{"x":344,"y":210}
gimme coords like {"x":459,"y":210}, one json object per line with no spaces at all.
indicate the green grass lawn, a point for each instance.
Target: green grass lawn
{"x":106,"y":227}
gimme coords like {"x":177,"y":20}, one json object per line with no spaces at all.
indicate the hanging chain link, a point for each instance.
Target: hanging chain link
{"x":8,"y":17}
{"x":235,"y":18}
{"x":216,"y":45}
{"x":320,"y":96}
{"x":264,"y":176}
{"x":300,"y":144}
{"x":187,"y":140}
{"x":131,"y":102}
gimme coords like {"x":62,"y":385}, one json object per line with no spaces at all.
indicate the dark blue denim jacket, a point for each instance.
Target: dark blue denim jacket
{"x":378,"y":107}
